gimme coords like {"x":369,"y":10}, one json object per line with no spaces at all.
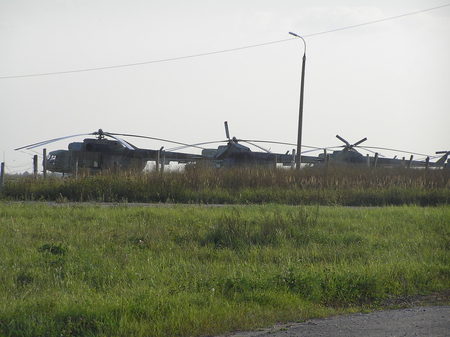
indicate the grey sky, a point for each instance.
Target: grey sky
{"x":388,"y":81}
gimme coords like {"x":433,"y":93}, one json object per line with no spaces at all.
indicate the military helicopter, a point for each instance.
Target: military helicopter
{"x":100,"y":153}
{"x":349,"y":155}
{"x":236,"y":154}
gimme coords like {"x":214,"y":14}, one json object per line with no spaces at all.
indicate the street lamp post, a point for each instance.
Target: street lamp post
{"x":300,"y":109}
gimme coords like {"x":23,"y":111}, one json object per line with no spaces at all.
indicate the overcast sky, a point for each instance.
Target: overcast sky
{"x":204,"y":62}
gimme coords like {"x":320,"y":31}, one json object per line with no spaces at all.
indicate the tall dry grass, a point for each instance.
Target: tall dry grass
{"x":350,"y":186}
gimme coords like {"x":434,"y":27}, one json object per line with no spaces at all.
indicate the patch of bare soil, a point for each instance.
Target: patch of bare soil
{"x":441,"y":298}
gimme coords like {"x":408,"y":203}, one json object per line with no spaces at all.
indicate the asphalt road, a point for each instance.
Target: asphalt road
{"x":429,"y":321}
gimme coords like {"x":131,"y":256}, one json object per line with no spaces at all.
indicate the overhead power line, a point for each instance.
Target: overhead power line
{"x":221,"y":51}
{"x":377,"y":21}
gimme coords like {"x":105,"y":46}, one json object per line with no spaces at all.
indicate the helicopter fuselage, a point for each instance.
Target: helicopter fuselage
{"x":97,"y":155}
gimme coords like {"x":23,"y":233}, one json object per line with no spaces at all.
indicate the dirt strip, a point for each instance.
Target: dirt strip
{"x":418,"y":321}
{"x":420,"y":315}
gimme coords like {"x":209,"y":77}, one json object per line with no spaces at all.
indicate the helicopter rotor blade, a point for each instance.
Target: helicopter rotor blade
{"x":244,"y":140}
{"x":395,"y":150}
{"x":121,"y":141}
{"x":343,"y":140}
{"x":249,"y":142}
{"x":222,"y":153}
{"x":227,"y":132}
{"x":152,"y":138}
{"x":281,"y":143}
{"x":443,"y":159}
{"x":32,"y":146}
{"x":268,"y":142}
{"x":361,"y":141}
{"x":374,"y":152}
{"x":196,"y":145}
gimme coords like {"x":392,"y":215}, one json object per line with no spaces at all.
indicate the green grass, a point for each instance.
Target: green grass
{"x":357,"y":186}
{"x":199,"y":270}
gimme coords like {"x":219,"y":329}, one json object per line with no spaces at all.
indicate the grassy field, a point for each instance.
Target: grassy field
{"x":174,"y":270}
{"x":356,"y":186}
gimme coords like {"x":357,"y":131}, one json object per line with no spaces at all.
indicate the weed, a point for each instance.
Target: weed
{"x":52,"y":249}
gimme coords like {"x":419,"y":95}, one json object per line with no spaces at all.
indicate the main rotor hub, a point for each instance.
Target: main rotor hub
{"x":100,"y":134}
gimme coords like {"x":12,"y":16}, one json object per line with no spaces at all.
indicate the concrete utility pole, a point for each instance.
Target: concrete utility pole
{"x":300,"y":112}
